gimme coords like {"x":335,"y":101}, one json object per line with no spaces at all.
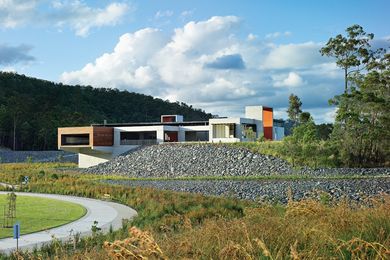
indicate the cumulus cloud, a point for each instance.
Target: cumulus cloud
{"x":162,"y":14}
{"x":275,"y":35}
{"x":187,"y":13}
{"x":16,"y":12}
{"x":206,"y":64}
{"x":232,"y":61}
{"x":75,"y":14}
{"x":251,"y":37}
{"x":293,"y":56}
{"x":82,"y":18}
{"x":127,"y":65}
{"x":292,"y":80}
{"x":15,"y":54}
{"x":383,"y":42}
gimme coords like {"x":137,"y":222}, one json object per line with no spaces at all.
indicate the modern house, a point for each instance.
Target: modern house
{"x":99,"y":143}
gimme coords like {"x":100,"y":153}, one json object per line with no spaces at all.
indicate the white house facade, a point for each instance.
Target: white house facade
{"x":99,"y":143}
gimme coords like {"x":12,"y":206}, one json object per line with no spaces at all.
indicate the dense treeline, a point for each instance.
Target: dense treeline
{"x":32,"y":109}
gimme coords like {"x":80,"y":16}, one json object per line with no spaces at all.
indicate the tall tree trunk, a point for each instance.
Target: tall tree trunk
{"x":14,"y":145}
{"x":345,"y":80}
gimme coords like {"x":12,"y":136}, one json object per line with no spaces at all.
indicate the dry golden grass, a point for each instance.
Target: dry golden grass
{"x":301,"y":230}
{"x":139,"y":246}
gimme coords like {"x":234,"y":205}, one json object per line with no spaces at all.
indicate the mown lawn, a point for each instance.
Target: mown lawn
{"x":35,"y":214}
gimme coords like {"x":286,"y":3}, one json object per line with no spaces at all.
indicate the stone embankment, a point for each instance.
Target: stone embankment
{"x":197,"y":160}
{"x":9,"y":156}
{"x":192,"y":160}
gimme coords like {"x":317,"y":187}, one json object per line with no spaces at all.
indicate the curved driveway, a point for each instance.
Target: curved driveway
{"x":106,"y":213}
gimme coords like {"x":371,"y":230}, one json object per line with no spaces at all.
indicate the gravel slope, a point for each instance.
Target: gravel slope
{"x":194,"y":160}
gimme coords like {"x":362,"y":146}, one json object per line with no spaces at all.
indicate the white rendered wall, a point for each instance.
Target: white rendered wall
{"x":254,"y":112}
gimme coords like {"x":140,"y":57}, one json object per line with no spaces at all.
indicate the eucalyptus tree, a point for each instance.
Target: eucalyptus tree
{"x":352,"y":52}
{"x":294,"y":108}
{"x":362,"y":125}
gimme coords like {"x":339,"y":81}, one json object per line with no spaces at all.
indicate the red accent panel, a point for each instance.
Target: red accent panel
{"x":268,"y":133}
{"x":168,"y":119}
{"x":171,"y":137}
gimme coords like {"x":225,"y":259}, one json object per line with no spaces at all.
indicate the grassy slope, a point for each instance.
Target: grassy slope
{"x":37,"y":214}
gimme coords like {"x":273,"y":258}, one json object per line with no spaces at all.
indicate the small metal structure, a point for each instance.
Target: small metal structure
{"x":17,"y":235}
{"x":10,"y":211}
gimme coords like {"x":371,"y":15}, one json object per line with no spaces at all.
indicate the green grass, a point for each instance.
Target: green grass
{"x":36,"y":214}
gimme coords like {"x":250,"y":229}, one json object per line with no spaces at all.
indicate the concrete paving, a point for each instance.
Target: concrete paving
{"x":106,"y":213}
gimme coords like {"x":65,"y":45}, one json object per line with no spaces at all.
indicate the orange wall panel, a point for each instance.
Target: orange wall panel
{"x":268,"y":121}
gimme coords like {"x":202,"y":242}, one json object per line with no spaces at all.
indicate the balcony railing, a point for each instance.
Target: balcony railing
{"x":138,"y":142}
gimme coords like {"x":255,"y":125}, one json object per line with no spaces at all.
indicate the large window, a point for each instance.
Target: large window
{"x":75,"y":139}
{"x":138,"y":138}
{"x":224,"y":131}
{"x":197,"y":136}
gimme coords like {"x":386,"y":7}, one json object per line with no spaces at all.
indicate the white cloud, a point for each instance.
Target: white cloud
{"x":205,"y":36}
{"x":187,"y":13}
{"x":222,"y":88}
{"x":292,"y":80}
{"x":8,"y":69}
{"x":126,"y":66}
{"x":275,"y":35}
{"x":295,"y":56}
{"x":76,"y":14}
{"x":251,"y":37}
{"x":175,"y":67}
{"x":14,"y":13}
{"x":162,"y":14}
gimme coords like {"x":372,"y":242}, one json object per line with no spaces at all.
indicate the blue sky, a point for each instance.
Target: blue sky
{"x":215,"y":55}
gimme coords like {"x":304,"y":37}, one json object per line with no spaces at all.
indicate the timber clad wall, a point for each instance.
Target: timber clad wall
{"x":98,"y":136}
{"x":103,"y":136}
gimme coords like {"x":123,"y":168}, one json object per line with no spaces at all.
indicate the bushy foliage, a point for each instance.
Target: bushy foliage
{"x":362,"y":129}
{"x":303,"y":148}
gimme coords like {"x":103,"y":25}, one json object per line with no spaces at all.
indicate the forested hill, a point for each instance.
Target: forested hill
{"x":35,"y":108}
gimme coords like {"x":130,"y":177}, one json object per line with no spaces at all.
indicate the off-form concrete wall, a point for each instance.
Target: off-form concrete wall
{"x":88,"y":160}
{"x":92,"y":157}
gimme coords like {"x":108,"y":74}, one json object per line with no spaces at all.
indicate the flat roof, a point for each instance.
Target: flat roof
{"x":186,"y":123}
